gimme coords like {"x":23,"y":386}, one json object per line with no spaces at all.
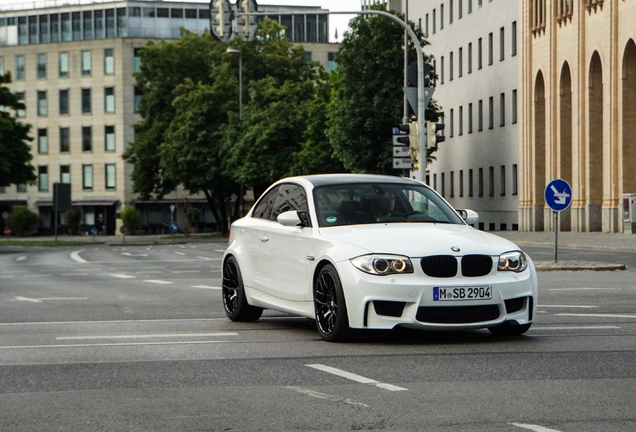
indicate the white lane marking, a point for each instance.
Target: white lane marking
{"x":219,"y":250}
{"x":535,"y":428}
{"x":74,"y":274}
{"x":145,"y":336}
{"x":209,"y":259}
{"x":40,"y":300}
{"x":575,"y":328}
{"x":584,"y":289}
{"x":185,"y":271}
{"x":179,"y":253}
{"x":122,"y":276}
{"x":354,"y":377}
{"x":21,"y":258}
{"x":47,"y":323}
{"x":149,"y":272}
{"x":205,"y":287}
{"x":566,"y":306}
{"x":75,"y":256}
{"x":6,"y":277}
{"x":160,"y":282}
{"x":134,"y":255}
{"x":324,"y":396}
{"x":598,"y":315}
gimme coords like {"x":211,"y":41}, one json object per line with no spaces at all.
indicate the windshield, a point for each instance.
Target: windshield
{"x":358,"y":203}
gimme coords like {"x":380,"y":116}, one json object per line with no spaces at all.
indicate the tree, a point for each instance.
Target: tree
{"x":15,"y":152}
{"x":367,"y":97}
{"x":22,"y":221}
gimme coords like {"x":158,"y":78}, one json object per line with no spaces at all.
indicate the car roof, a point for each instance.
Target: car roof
{"x":335,"y":179}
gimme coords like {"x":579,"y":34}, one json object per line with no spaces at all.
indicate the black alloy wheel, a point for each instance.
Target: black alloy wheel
{"x":330,"y":306}
{"x":234,"y":301}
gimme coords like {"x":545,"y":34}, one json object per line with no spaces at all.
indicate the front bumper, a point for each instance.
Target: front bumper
{"x":383,"y":302}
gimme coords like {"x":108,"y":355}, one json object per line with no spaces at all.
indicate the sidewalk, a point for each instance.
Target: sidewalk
{"x":117,"y":240}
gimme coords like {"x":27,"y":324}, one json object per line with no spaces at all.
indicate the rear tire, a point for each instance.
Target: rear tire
{"x":509,"y":328}
{"x":330,"y":306}
{"x":234,"y":302}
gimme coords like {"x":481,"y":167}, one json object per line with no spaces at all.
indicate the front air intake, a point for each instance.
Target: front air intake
{"x":440,"y":266}
{"x":476,"y":265}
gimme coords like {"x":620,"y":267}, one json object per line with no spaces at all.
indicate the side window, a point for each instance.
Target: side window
{"x":263,"y":209}
{"x":289,"y":197}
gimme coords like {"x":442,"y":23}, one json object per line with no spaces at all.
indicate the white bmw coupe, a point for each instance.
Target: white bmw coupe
{"x":355,"y":251}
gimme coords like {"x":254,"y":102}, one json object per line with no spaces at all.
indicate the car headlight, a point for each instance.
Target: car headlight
{"x":515,"y":261}
{"x":383,"y":265}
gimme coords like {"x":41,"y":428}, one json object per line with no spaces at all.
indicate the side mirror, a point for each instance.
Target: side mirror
{"x":293,"y":218}
{"x":471,"y":217}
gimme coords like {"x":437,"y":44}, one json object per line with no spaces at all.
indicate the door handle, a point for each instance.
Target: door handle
{"x":263,"y":237}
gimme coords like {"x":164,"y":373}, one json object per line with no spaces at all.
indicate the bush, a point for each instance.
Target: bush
{"x":130,"y":219}
{"x":22,"y":221}
{"x":194,"y":214}
{"x":73,"y":220}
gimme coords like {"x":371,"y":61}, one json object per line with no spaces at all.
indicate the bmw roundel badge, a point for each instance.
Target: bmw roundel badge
{"x":455,"y":249}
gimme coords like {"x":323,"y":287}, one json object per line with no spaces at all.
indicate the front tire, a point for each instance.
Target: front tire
{"x":509,"y":329}
{"x":234,"y":302}
{"x":330,"y":306}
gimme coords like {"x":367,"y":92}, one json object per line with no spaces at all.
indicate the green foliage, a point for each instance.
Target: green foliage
{"x":130,"y":218}
{"x":367,"y":97}
{"x":73,"y":219}
{"x":15,"y":153}
{"x":22,"y":221}
{"x":194,"y":214}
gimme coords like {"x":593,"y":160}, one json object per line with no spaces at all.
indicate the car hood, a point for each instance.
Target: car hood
{"x":419,"y":239}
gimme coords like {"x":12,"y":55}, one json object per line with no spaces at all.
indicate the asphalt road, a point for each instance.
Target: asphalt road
{"x":135,"y":339}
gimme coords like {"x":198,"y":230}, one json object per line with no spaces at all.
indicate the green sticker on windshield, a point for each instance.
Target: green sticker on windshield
{"x":332,"y":219}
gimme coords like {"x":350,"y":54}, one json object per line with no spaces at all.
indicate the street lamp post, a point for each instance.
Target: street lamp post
{"x":238,"y":51}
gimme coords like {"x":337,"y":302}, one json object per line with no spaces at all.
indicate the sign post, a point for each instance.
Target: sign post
{"x":558,"y":196}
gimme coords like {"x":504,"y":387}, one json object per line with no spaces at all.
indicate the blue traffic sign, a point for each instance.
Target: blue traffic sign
{"x":558,"y":195}
{"x":173,"y":227}
{"x":93,"y":231}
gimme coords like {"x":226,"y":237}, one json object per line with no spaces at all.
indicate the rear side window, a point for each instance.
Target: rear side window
{"x":290,"y":197}
{"x":263,"y":209}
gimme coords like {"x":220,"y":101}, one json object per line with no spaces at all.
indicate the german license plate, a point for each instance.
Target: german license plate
{"x":462,"y":293}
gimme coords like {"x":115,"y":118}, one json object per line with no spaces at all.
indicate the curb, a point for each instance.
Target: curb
{"x":546,"y":266}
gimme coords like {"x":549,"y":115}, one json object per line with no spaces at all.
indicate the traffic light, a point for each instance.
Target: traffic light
{"x":411,"y":139}
{"x":246,"y":26}
{"x":432,"y":139}
{"x":221,"y":19}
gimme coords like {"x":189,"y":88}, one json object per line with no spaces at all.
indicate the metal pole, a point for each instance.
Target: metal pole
{"x":405,"y":116}
{"x":556,"y":235}
{"x":421,"y":98}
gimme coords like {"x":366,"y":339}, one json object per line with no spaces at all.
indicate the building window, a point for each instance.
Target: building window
{"x":502,"y":44}
{"x":331,"y":61}
{"x":502,"y":109}
{"x":434,"y":21}
{"x":470,"y":58}
{"x":502,"y":187}
{"x":110,"y":176}
{"x":88,"y":24}
{"x":450,"y":11}
{"x":41,"y":66}
{"x":461,"y":182}
{"x":480,"y":183}
{"x":19,"y":68}
{"x":87,"y":139}
{"x":460,"y":65}
{"x":86,"y":63}
{"x":435,"y":181}
{"x":470,"y":6}
{"x":65,"y":140}
{"x":63,"y":64}
{"x":514,"y":38}
{"x":138,"y":96}
{"x":21,"y":187}
{"x":441,"y":23}
{"x":109,"y":99}
{"x":514,"y":106}
{"x":491,"y":112}
{"x":20,"y":113}
{"x":63,"y":102}
{"x":109,"y":62}
{"x":109,"y":138}
{"x":43,"y":178}
{"x":452,"y":184}
{"x":460,"y":9}
{"x":450,"y":66}
{"x":1,"y":65}
{"x":426,"y":24}
{"x":65,"y":174}
{"x":480,"y":116}
{"x":470,"y":182}
{"x":490,"y":48}
{"x":514,"y":179}
{"x":87,"y":176}
{"x":443,"y":185}
{"x":86,"y":101}
{"x":136,"y":60}
{"x":42,"y":104}
{"x":441,"y":75}
{"x":461,"y":120}
{"x":479,"y":54}
{"x":470,"y":118}
{"x":43,"y":141}
{"x":451,"y":132}
{"x":491,"y":181}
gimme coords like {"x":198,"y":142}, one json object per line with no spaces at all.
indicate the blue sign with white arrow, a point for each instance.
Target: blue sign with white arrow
{"x":558,"y":195}
{"x":173,"y":227}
